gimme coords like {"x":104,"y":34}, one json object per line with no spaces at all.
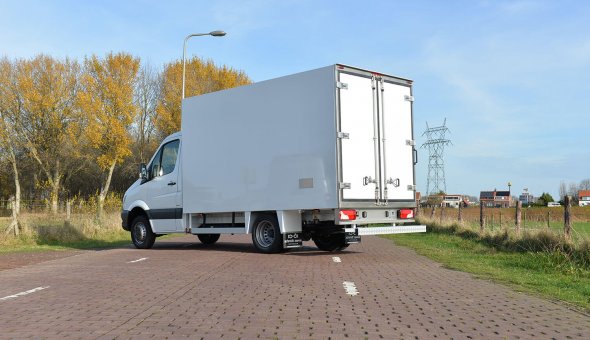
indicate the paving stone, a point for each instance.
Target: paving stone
{"x":188,"y":290}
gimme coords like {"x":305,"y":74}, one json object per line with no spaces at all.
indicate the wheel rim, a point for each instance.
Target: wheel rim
{"x":140,"y":232}
{"x":265,"y":234}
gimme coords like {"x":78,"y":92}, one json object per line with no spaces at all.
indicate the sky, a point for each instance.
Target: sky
{"x":512,"y":78}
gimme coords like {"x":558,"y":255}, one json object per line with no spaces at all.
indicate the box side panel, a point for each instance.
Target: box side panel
{"x":265,"y":146}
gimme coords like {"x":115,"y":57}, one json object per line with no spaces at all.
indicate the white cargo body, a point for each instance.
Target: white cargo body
{"x":305,"y":141}
{"x":323,"y":155}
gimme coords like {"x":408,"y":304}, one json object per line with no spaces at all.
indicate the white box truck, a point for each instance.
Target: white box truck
{"x":326,"y":155}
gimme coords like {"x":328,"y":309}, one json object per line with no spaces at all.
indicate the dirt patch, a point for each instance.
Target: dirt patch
{"x":20,"y":259}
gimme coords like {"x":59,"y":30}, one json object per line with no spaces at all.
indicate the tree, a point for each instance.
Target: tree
{"x":9,"y":111}
{"x":107,"y":100}
{"x":49,"y":123}
{"x":562,"y":190}
{"x":545,"y":198}
{"x":201,"y":77}
{"x":147,"y":94}
{"x":584,"y":184}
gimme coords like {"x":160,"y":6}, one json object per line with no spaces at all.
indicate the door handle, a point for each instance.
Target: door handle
{"x":171,"y":183}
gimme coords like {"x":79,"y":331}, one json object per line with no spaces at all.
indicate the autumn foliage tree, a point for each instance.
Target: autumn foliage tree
{"x":9,"y":111}
{"x":107,"y":100}
{"x":68,"y":128}
{"x":201,"y":77}
{"x":48,"y":121}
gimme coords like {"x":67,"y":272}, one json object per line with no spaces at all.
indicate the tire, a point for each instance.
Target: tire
{"x":266,"y":234}
{"x":141,"y":233}
{"x":330,"y":242}
{"x":208,"y":238}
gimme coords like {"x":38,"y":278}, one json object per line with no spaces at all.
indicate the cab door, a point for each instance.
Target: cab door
{"x":163,"y":189}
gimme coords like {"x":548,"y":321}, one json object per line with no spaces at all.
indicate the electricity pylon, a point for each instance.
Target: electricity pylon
{"x":436,"y":143}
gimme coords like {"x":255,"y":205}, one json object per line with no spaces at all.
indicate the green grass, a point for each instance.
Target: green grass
{"x":546,"y":274}
{"x":47,"y":232}
{"x":108,"y":240}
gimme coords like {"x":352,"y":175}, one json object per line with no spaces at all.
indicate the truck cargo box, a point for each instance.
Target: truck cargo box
{"x":329,"y":138}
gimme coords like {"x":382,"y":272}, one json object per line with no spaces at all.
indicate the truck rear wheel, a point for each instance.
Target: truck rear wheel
{"x":330,"y":242}
{"x":141,"y":233}
{"x":208,"y":238}
{"x":266,"y":235}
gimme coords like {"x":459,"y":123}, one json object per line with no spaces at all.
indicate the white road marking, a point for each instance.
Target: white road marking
{"x":350,"y":288}
{"x":23,"y":293}
{"x":336,"y":259}
{"x":139,"y":260}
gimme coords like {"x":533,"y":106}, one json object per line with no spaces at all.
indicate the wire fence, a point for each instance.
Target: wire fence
{"x":75,"y":206}
{"x":531,"y":218}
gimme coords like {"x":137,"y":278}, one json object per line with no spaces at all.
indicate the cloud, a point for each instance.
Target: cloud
{"x":520,"y":7}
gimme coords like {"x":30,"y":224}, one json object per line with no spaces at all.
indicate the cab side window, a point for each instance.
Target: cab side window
{"x":154,"y":168}
{"x":169,"y":156}
{"x":165,"y":160}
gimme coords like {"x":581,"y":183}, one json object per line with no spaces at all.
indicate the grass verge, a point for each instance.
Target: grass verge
{"x":46,"y":232}
{"x":548,"y":274}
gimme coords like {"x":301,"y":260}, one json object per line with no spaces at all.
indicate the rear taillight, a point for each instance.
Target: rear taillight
{"x":405,"y":213}
{"x":347,"y":215}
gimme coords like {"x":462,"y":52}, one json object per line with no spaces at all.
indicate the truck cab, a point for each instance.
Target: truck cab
{"x":152,"y":206}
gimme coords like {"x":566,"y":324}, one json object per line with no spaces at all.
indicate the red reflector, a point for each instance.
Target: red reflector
{"x":406,"y":213}
{"x":347,"y":215}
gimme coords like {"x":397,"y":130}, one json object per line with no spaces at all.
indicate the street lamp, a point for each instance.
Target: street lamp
{"x":212,"y":33}
{"x":509,"y":194}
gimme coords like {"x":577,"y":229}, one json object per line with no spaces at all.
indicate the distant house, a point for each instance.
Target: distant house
{"x":495,"y":199}
{"x":453,"y":201}
{"x":527,"y":198}
{"x":584,"y":197}
{"x":448,"y":201}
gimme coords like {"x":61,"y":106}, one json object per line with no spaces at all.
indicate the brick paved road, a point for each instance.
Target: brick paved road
{"x":184,"y":289}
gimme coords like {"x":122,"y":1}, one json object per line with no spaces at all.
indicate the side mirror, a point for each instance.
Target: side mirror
{"x":143,"y":174}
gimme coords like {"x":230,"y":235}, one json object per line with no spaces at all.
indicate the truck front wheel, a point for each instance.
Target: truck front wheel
{"x":141,"y":233}
{"x":266,"y":235}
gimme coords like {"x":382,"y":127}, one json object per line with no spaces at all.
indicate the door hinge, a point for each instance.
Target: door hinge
{"x":410,"y":142}
{"x":343,"y":185}
{"x":343,"y":135}
{"x":342,"y":86}
{"x":409,"y":98}
{"x":411,"y":187}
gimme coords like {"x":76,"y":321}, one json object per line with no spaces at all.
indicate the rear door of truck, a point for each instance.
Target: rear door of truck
{"x":376,"y":144}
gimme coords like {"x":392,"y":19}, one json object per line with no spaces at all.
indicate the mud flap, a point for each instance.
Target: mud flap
{"x":351,"y":235}
{"x":292,"y":240}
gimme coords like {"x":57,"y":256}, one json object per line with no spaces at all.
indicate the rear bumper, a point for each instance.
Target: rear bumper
{"x":396,"y":229}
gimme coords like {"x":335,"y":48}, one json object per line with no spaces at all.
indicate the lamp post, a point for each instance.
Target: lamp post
{"x":509,"y":193}
{"x":212,"y":33}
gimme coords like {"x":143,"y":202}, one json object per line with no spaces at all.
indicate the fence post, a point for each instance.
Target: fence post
{"x":500,"y":219}
{"x":567,"y":225}
{"x":482,"y":218}
{"x":548,"y":219}
{"x":460,"y":217}
{"x":432,"y":212}
{"x":518,"y":216}
{"x":442,"y":212}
